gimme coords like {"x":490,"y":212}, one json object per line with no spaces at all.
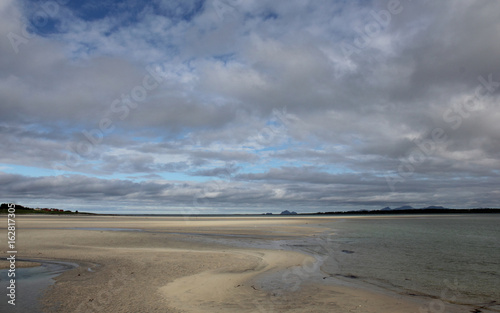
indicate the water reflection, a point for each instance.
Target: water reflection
{"x":30,"y":283}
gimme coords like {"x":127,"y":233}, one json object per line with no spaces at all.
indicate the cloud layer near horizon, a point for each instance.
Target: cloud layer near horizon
{"x":242,"y":106}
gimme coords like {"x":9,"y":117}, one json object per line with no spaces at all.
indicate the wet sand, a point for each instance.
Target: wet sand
{"x":196,"y":264}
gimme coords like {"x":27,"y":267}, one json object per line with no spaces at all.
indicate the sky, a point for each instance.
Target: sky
{"x":245,"y":106}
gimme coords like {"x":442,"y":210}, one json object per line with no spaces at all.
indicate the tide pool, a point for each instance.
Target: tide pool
{"x":30,"y":284}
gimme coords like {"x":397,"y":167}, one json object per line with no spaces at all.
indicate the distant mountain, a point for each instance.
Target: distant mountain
{"x":286,"y":212}
{"x":436,"y":207}
{"x":405,"y":207}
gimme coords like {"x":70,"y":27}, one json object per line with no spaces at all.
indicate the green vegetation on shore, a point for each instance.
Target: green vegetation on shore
{"x":25,"y":210}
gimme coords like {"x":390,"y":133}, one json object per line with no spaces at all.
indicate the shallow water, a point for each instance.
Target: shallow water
{"x":455,"y":258}
{"x":30,"y":284}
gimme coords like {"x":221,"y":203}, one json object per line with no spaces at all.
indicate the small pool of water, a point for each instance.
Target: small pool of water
{"x":30,"y":284}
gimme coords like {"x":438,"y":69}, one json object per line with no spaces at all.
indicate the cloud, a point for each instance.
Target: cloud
{"x":303,"y":104}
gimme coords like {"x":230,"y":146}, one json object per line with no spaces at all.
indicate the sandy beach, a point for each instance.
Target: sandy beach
{"x":195,"y":264}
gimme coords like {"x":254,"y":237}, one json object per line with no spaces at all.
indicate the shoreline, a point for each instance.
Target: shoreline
{"x":21,"y":263}
{"x":172,"y":265}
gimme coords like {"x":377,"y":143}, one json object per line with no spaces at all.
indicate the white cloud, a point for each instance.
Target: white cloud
{"x":224,"y":77}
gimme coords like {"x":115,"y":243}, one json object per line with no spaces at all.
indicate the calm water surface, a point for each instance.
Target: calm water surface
{"x":455,"y":257}
{"x":30,"y":284}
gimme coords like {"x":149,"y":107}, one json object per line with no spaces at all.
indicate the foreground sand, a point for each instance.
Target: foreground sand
{"x":170,"y":267}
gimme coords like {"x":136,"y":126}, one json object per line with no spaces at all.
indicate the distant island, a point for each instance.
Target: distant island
{"x":411,"y":210}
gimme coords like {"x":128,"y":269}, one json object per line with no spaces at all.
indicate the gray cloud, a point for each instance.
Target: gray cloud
{"x":264,"y":93}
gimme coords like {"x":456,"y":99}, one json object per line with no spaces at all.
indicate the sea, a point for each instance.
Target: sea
{"x":455,"y":258}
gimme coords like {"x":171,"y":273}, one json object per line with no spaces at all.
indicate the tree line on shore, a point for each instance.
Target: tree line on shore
{"x":19,"y":209}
